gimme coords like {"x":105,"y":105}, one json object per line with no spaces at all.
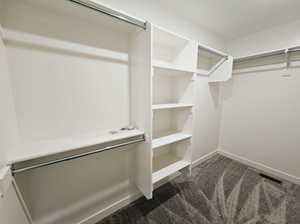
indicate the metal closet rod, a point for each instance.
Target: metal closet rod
{"x":115,"y":15}
{"x":268,"y":54}
{"x":77,"y":156}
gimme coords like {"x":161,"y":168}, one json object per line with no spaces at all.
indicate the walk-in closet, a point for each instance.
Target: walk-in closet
{"x":148,"y":112}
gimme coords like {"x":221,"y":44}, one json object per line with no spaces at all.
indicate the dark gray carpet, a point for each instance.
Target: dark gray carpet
{"x":220,"y":191}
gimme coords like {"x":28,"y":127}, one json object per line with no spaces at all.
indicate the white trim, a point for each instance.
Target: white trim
{"x":260,"y":166}
{"x":131,"y":197}
{"x":96,"y":217}
{"x":204,"y":158}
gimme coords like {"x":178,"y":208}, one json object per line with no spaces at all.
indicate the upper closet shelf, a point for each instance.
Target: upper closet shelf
{"x":17,"y":37}
{"x":169,"y":66}
{"x":159,"y":142}
{"x":172,"y":51}
{"x":36,"y":150}
{"x":214,"y":64}
{"x":171,"y":106}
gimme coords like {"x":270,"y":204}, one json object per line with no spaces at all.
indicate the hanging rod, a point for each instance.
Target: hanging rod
{"x":211,"y":50}
{"x":267,"y":54}
{"x":77,"y":156}
{"x":111,"y":13}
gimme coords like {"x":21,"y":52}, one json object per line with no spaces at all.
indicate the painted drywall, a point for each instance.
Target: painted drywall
{"x":279,"y":37}
{"x":156,"y":13}
{"x":260,"y":115}
{"x":207,"y":117}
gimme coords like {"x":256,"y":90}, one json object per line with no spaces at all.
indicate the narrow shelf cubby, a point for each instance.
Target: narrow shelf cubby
{"x":171,"y":144}
{"x":172,"y":88}
{"x":172,"y":51}
{"x":169,"y":159}
{"x":174,"y":66}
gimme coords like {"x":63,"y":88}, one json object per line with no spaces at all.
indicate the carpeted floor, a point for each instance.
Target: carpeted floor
{"x":220,"y":191}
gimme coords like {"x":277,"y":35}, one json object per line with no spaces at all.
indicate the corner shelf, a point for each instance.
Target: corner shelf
{"x":171,"y":106}
{"x":167,"y":165}
{"x":216,"y":65}
{"x":169,"y":139}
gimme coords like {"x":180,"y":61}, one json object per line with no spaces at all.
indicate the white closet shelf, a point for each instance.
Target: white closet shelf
{"x":36,"y":40}
{"x":171,"y":106}
{"x":40,"y":149}
{"x":166,"y":165}
{"x":169,"y":139}
{"x":169,"y":66}
{"x":203,"y":72}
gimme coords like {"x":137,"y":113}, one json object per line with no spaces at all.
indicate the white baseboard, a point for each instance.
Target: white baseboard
{"x":96,"y":217}
{"x":204,"y":158}
{"x":133,"y":196}
{"x":260,"y":166}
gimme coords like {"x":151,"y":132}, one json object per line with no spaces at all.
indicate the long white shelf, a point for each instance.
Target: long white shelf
{"x":171,"y":106}
{"x":165,"y":65}
{"x":36,"y":40}
{"x":25,"y":152}
{"x":203,"y":72}
{"x":166,"y":140}
{"x":167,"y":165}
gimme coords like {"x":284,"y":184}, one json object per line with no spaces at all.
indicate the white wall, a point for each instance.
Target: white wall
{"x":260,"y":115}
{"x":279,"y":37}
{"x":207,"y":117}
{"x":153,"y":12}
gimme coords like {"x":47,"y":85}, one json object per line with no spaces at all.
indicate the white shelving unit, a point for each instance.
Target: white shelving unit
{"x":174,"y":65}
{"x":69,"y":90}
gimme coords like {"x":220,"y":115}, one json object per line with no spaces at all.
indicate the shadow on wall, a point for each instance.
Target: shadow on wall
{"x":214,"y":90}
{"x":227,"y":89}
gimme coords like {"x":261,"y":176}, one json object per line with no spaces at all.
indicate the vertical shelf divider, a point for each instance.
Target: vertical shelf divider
{"x":140,"y":163}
